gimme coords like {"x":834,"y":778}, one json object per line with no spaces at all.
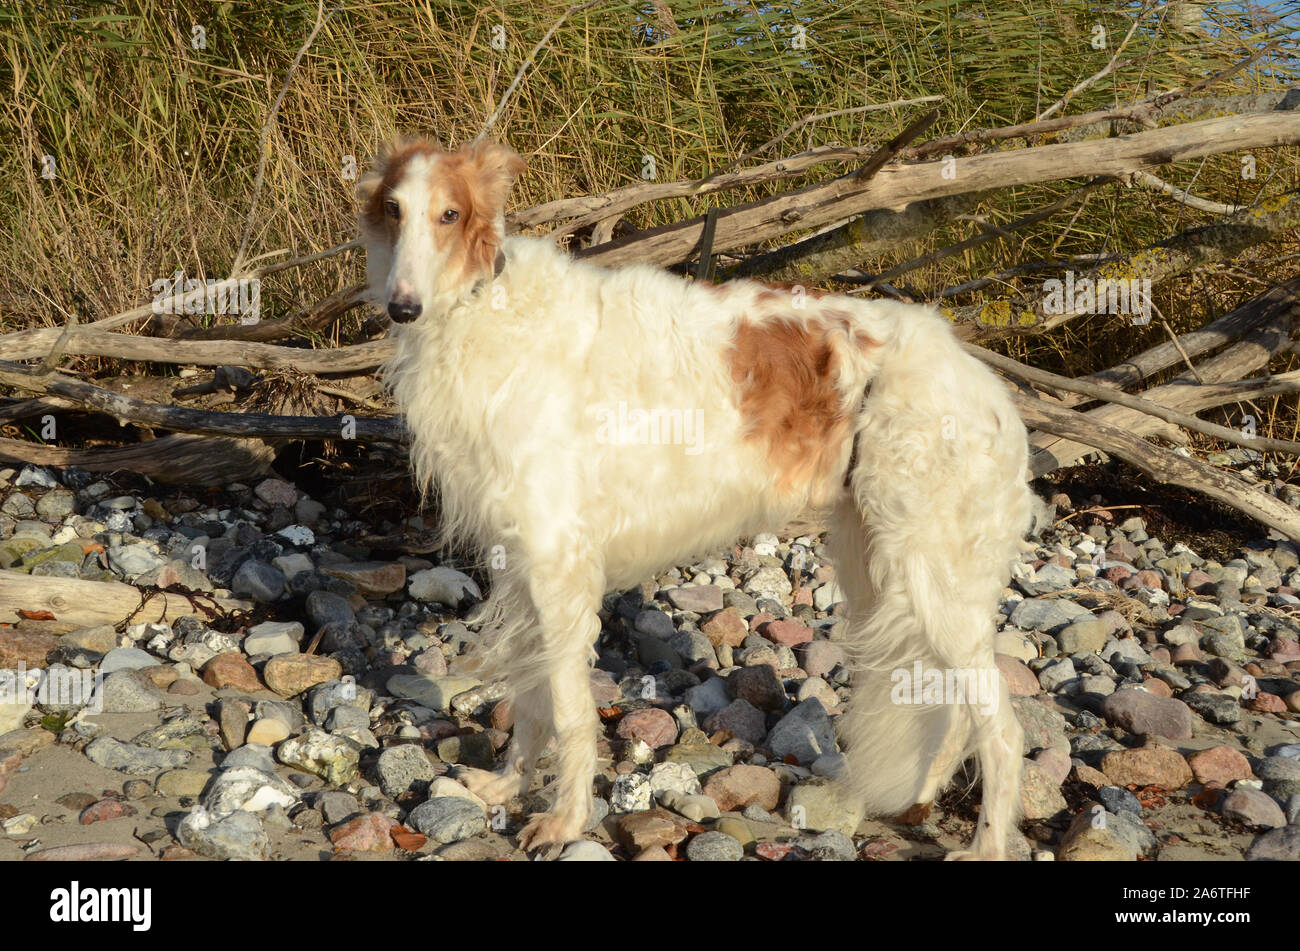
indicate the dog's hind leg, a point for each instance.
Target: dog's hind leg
{"x":998,"y":742}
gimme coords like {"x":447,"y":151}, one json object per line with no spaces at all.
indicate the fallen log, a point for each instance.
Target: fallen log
{"x":127,"y":409}
{"x":182,"y":459}
{"x":898,"y":186}
{"x":358,"y":357}
{"x":1160,"y":464}
{"x":1146,"y":406}
{"x":91,"y":603}
{"x":1184,"y":393}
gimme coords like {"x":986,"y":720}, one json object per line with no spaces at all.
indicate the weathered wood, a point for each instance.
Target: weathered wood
{"x":181,"y":459}
{"x":1149,"y":407}
{"x":897,"y":186}
{"x":1228,"y":328}
{"x":1161,"y":464}
{"x":90,"y":603}
{"x":263,"y":356}
{"x":177,"y":419}
{"x":1182,"y":393}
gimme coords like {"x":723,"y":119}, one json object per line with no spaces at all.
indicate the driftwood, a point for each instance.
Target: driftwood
{"x":1182,"y":393}
{"x":243,"y":425}
{"x":177,"y":460}
{"x":262,"y":356}
{"x":91,"y":603}
{"x":897,"y":186}
{"x":1161,"y":464}
{"x":1149,"y":407}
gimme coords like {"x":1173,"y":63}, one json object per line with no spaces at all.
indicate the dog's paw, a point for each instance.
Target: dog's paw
{"x":549,"y":829}
{"x":495,"y":789}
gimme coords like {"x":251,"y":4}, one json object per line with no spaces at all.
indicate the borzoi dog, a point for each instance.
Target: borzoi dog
{"x":510,"y":357}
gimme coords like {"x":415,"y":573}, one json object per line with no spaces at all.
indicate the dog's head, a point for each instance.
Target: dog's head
{"x":433,"y":222}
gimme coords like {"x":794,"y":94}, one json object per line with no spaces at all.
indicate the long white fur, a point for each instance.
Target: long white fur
{"x":502,"y":382}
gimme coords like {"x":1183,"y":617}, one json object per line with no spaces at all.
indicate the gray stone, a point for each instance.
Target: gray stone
{"x":1217,"y":708}
{"x":436,"y":693}
{"x":1138,"y":711}
{"x":1253,"y":808}
{"x":56,"y":504}
{"x":238,"y":836}
{"x":131,"y":759}
{"x":335,"y":806}
{"x":700,"y":599}
{"x":259,"y":581}
{"x":251,"y":756}
{"x":325,"y":697}
{"x":1098,"y":835}
{"x":714,"y":847}
{"x":709,"y":697}
{"x":741,"y":718}
{"x":805,"y":732}
{"x":401,"y":768}
{"x":448,"y":819}
{"x":1276,"y":845}
{"x":1056,"y":673}
{"x":829,"y":846}
{"x":585,"y":851}
{"x":273,"y":637}
{"x":1047,"y":614}
{"x":817,"y":806}
{"x":443,"y":585}
{"x":126,"y":658}
{"x":129,"y":691}
{"x":131,"y":561}
{"x":324,"y":607}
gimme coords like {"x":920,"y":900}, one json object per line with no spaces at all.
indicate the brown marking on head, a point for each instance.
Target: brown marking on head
{"x":786,"y":372}
{"x":466,"y":198}
{"x":478,"y":179}
{"x":377,"y":184}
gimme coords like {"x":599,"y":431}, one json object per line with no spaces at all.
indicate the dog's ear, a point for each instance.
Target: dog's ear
{"x":497,"y":167}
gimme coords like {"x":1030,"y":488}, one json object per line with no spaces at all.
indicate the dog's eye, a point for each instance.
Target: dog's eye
{"x":450,"y":215}
{"x":391,"y":209}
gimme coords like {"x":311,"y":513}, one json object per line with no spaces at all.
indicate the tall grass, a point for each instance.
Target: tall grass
{"x":155,"y":142}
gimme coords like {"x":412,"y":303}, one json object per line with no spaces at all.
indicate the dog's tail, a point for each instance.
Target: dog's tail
{"x":924,"y":544}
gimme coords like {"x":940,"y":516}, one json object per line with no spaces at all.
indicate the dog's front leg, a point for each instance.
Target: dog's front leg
{"x":566,"y":592}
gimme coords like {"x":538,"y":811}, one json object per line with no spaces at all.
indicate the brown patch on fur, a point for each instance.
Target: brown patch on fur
{"x":786,"y":372}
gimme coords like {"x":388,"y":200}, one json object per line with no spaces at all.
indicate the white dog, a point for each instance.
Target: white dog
{"x":512,"y":359}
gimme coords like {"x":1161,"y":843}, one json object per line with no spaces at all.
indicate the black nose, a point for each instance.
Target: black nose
{"x":404,"y":309}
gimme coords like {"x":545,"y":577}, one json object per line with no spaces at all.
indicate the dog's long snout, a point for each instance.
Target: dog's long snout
{"x":404,"y":308}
